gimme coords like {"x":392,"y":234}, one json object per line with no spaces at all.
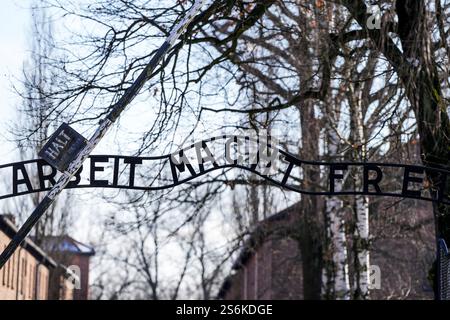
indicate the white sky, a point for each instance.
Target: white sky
{"x":15,"y":26}
{"x":14,"y":17}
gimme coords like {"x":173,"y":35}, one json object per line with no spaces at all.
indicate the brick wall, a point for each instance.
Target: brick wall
{"x":23,"y":277}
{"x":271,"y":271}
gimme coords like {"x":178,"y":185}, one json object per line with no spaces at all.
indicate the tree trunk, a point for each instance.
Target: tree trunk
{"x":361,"y":246}
{"x":361,"y":204}
{"x":335,"y":279}
{"x":310,"y":225}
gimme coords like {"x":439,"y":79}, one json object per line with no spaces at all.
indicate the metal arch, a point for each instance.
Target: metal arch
{"x":284,"y":156}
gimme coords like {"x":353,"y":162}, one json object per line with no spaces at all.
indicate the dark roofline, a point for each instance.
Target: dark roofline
{"x":90,"y":253}
{"x":8,"y":227}
{"x":53,"y":244}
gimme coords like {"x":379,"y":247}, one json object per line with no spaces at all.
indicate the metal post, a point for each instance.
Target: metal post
{"x":104,"y":126}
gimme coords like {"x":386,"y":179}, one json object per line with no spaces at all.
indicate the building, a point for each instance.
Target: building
{"x":56,"y":270}
{"x":26,"y":274}
{"x":269,"y":265}
{"x":76,"y":256}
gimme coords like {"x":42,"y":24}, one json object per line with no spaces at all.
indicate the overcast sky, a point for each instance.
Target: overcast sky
{"x":14,"y":26}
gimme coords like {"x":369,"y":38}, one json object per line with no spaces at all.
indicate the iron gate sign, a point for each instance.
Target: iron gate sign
{"x":67,"y":150}
{"x":229,"y":151}
{"x":70,"y":162}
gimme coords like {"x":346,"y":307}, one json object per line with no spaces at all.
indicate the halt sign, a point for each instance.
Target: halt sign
{"x":62,"y":147}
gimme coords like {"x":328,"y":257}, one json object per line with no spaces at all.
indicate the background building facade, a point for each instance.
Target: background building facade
{"x":38,"y":273}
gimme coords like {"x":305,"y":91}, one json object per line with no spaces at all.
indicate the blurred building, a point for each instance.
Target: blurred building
{"x":269,"y":265}
{"x":58,"y":269}
{"x":74,"y":254}
{"x":26,"y":274}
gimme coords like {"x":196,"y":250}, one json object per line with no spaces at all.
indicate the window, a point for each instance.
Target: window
{"x":24,"y":274}
{"x":30,"y":290}
{"x":38,"y":283}
{"x":13,"y":269}
{"x":4,"y":271}
{"x":8,"y":273}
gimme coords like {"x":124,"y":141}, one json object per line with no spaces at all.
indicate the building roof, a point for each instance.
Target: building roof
{"x":10,"y":229}
{"x":67,"y":244}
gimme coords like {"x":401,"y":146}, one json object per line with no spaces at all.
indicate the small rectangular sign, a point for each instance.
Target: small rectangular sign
{"x":62,"y":147}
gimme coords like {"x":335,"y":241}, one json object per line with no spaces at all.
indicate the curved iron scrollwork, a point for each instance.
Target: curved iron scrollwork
{"x":258,"y":156}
